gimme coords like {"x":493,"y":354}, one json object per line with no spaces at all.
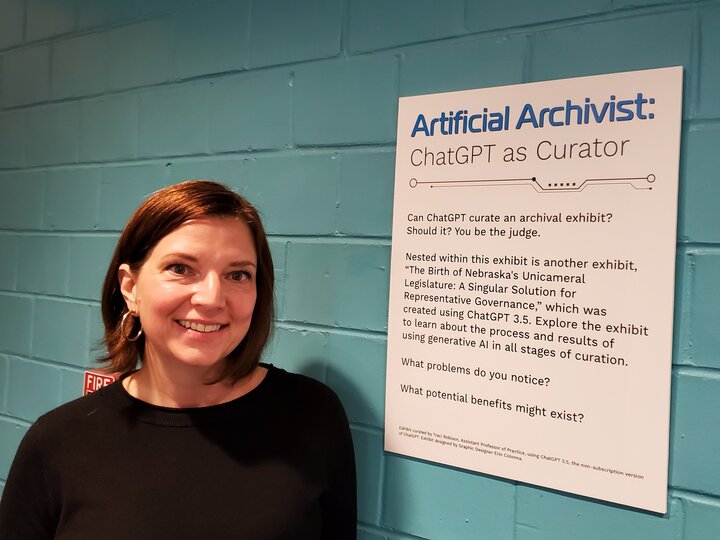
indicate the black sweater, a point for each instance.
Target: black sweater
{"x":276,"y":463}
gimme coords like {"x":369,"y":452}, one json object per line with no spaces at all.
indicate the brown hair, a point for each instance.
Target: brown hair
{"x":159,"y":215}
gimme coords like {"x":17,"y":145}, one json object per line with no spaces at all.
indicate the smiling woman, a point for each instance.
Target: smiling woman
{"x":169,"y":225}
{"x":194,"y":296}
{"x":202,"y":441}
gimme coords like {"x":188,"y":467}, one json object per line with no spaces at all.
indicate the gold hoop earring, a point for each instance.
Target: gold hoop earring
{"x":122,"y":327}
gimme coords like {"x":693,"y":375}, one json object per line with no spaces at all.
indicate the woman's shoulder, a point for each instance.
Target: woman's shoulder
{"x":76,"y":414}
{"x":295,"y":383}
{"x":302,"y":391}
{"x":308,"y":409}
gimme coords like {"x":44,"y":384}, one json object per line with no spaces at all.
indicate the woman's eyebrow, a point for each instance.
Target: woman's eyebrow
{"x":242,"y":263}
{"x":180,"y":255}
{"x":194,"y":259}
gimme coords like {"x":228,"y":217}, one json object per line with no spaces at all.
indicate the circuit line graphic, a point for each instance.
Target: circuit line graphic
{"x":636,"y":182}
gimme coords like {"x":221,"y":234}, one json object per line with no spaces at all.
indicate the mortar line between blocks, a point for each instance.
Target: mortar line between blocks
{"x":353,"y":332}
{"x":15,"y":419}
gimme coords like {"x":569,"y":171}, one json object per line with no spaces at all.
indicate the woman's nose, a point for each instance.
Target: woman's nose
{"x":209,"y":292}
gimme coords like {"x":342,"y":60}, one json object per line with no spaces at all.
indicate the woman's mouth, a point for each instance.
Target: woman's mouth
{"x":199,"y":327}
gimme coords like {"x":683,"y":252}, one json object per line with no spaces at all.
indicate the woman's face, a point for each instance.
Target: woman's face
{"x":195,"y":292}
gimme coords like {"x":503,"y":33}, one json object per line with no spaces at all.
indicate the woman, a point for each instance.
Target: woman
{"x":202,"y":441}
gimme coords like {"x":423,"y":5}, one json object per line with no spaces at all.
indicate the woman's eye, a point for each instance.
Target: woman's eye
{"x":240,"y":275}
{"x":178,"y":269}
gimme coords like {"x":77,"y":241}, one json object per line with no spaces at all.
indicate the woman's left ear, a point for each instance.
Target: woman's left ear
{"x":126,"y":279}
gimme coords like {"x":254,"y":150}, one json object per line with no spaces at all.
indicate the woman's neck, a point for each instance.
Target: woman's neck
{"x":186,"y":388}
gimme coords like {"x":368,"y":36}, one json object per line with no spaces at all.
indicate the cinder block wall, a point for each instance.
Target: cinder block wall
{"x":293,"y":102}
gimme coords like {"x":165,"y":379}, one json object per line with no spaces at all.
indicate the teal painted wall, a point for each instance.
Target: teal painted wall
{"x":293,"y":102}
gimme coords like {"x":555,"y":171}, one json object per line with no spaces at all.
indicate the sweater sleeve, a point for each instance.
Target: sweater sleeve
{"x":339,"y":505}
{"x":26,"y":509}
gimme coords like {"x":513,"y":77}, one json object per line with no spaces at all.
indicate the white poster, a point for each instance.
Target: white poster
{"x":531,"y":295}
